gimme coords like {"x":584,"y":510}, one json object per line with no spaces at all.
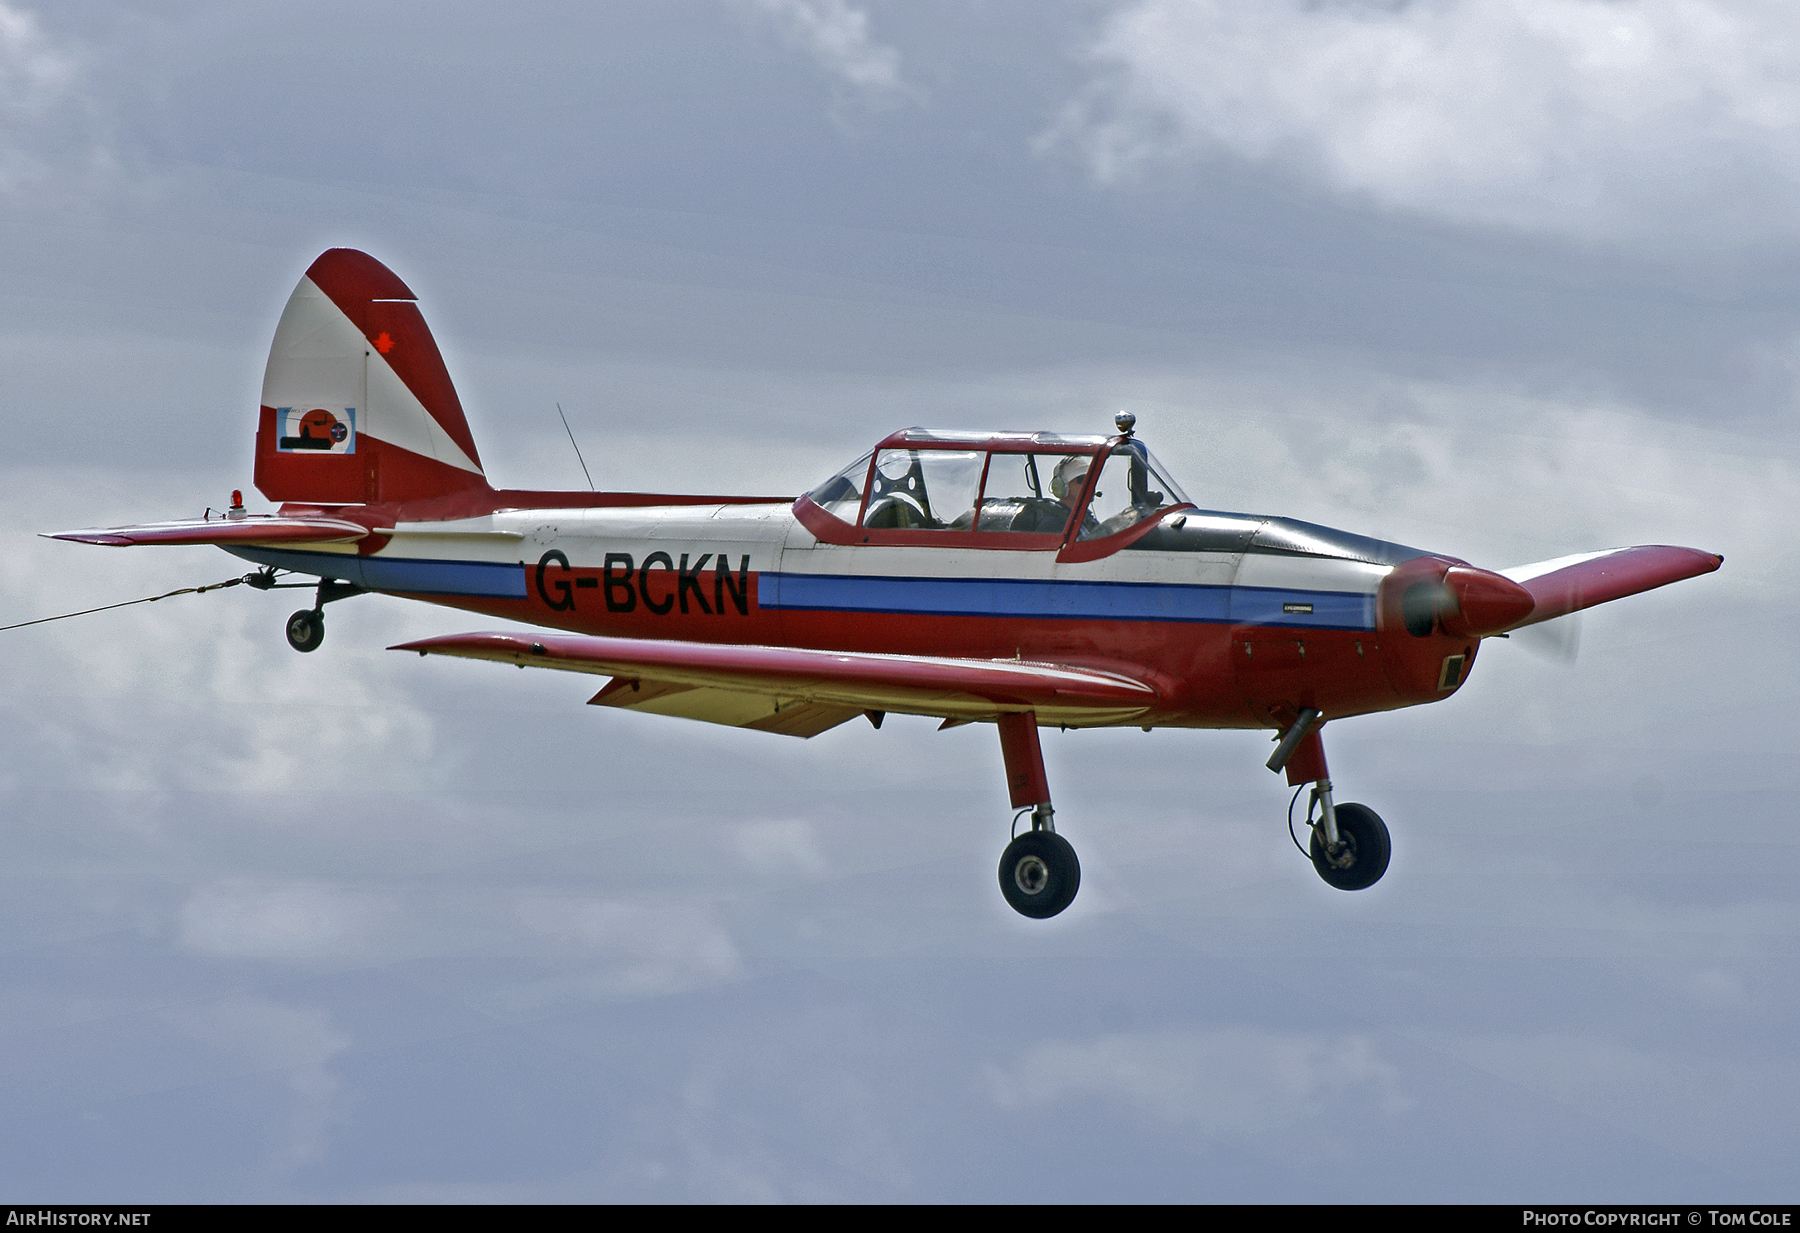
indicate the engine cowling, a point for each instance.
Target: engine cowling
{"x":1432,"y":613}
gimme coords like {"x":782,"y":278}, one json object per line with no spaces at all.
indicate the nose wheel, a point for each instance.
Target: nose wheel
{"x":1359,"y":857}
{"x":1349,"y":845}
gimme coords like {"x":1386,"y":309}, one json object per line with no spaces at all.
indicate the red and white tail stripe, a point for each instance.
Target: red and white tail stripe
{"x":357,"y":406}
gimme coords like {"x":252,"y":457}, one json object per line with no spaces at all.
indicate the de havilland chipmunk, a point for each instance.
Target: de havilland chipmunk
{"x":1021,"y":579}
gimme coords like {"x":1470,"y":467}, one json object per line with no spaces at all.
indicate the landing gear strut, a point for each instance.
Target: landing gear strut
{"x":1039,"y":874}
{"x":306,"y":628}
{"x":1349,"y":847}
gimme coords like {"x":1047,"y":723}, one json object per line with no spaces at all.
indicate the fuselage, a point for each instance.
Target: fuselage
{"x":1243,"y":619}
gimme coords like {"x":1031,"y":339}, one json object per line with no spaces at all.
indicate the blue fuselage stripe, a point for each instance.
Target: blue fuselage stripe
{"x":412,"y":576}
{"x":1114,"y":601}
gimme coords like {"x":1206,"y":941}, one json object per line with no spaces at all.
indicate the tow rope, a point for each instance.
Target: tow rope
{"x":149,"y":599}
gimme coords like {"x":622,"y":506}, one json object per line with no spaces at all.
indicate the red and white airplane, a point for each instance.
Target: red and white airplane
{"x":1013,"y":578}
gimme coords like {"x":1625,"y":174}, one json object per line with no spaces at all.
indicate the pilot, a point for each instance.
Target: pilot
{"x":1067,"y":483}
{"x":1069,"y":478}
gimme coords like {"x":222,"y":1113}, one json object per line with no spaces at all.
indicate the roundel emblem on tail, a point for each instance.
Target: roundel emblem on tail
{"x":317,"y":430}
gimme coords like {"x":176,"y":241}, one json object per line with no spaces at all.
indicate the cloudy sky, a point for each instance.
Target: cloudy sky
{"x":1506,"y":280}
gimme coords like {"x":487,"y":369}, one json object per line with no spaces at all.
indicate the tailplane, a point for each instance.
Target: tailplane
{"x":357,"y":406}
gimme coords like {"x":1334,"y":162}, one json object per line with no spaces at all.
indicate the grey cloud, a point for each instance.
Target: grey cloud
{"x":299,"y":1042}
{"x":1225,"y":1084}
{"x":241,"y":918}
{"x":1685,"y":1099}
{"x":48,"y":121}
{"x":641,"y":948}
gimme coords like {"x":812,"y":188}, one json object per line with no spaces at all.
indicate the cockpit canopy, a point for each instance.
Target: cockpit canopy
{"x":1023,"y":484}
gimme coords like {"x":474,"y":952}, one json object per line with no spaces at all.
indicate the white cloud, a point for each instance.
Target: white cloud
{"x":286,"y":920}
{"x":836,"y":35}
{"x":781,"y":847}
{"x":642,"y":948}
{"x":33,"y":73}
{"x":1229,"y":1083}
{"x":1568,"y":116}
{"x":230,"y":706}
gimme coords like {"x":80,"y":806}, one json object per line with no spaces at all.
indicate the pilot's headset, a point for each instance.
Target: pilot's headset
{"x":1069,"y":476}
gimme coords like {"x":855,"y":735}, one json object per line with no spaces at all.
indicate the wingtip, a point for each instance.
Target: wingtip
{"x":107,"y":538}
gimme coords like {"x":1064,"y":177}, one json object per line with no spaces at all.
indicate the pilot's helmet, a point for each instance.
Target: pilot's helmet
{"x":1069,"y":476}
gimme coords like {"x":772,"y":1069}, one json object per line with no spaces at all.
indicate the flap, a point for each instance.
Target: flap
{"x":731,"y":707}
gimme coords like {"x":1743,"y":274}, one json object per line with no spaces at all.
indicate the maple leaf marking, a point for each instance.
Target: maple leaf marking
{"x":384,"y":343}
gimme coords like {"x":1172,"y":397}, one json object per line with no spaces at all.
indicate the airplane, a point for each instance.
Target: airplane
{"x":1021,"y":579}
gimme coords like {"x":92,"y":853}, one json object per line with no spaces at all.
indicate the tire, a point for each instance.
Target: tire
{"x":306,"y":629}
{"x":1039,"y":874}
{"x":1366,"y":849}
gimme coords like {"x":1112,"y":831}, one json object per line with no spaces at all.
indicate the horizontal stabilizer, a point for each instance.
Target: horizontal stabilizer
{"x":756,"y":686}
{"x":1569,"y":584}
{"x":263,"y":529}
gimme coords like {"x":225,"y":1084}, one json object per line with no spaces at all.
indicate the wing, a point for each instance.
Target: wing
{"x":1569,"y":584}
{"x":801,"y":692}
{"x":256,"y":529}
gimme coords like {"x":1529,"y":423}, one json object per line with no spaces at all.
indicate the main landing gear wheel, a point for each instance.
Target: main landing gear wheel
{"x":306,"y":629}
{"x":1039,"y":874}
{"x":1362,"y":853}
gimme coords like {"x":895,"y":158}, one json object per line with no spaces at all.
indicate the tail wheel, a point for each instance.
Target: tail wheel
{"x":306,"y":629}
{"x":1362,"y":853}
{"x":1039,"y":874}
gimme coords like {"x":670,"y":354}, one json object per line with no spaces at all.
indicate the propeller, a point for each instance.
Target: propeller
{"x":1558,"y":640}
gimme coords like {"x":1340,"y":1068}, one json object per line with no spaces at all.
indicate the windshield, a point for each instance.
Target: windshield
{"x":1132,"y":487}
{"x":841,"y":495}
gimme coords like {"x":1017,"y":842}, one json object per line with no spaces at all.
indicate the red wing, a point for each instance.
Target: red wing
{"x":1569,"y":584}
{"x":802,"y":692}
{"x":252,"y":530}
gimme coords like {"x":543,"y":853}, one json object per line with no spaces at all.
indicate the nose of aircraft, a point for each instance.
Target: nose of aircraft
{"x":1480,"y":602}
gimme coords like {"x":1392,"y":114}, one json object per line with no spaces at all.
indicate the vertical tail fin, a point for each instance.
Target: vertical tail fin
{"x":357,"y":406}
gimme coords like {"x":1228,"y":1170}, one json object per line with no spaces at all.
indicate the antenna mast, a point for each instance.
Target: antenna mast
{"x":578,"y":457}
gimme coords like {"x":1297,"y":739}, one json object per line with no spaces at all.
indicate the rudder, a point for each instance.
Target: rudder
{"x":357,"y":406}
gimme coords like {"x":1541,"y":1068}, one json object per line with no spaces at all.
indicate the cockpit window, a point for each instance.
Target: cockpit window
{"x":841,"y":495}
{"x":1035,"y":490}
{"x":924,"y":490}
{"x":1133,"y":486}
{"x":1031,"y":492}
